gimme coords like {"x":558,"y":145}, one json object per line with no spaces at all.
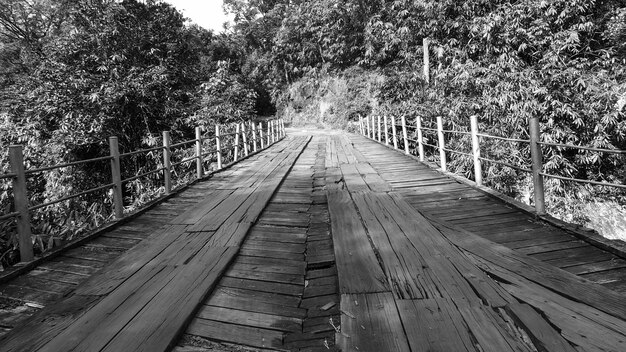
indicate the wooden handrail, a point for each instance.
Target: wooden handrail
{"x":534,"y":142}
{"x":18,"y":175}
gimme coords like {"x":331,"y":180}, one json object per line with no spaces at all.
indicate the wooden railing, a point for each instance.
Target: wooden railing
{"x":221,"y":146}
{"x":381,"y":128}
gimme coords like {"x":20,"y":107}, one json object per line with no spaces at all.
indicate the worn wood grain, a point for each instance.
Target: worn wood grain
{"x":352,"y":248}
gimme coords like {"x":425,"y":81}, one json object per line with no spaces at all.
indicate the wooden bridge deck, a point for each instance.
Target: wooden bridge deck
{"x":324,"y":238}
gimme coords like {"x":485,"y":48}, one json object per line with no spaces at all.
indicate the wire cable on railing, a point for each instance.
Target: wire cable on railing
{"x":8,"y":216}
{"x":71,"y":197}
{"x":183,"y":143}
{"x":142,"y":151}
{"x":190,"y":159}
{"x":505,"y":164}
{"x":459,"y":132}
{"x":74,"y":163}
{"x":597,"y":183}
{"x":503,"y":138}
{"x":144,"y":174}
{"x":7,"y":175}
{"x":601,"y":150}
{"x":458,"y":152}
{"x":430,"y":145}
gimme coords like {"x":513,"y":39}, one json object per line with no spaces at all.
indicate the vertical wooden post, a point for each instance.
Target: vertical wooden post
{"x":394,"y":132}
{"x":282,"y":127}
{"x":386,"y":130}
{"x":426,"y":61}
{"x":404,"y":135}
{"x":420,"y":137}
{"x":236,"y":157}
{"x":478,"y":172}
{"x":537,"y":166}
{"x":116,"y":178}
{"x":20,"y":198}
{"x":273,"y":124}
{"x":167,"y":163}
{"x":245,"y":138}
{"x":373,"y":127}
{"x":442,"y":146}
{"x":254,"y":142}
{"x":269,"y":133}
{"x":367,"y":123}
{"x":199,"y":163}
{"x":379,"y":130}
{"x":361,"y":125}
{"x":261,"y":135}
{"x":218,"y":146}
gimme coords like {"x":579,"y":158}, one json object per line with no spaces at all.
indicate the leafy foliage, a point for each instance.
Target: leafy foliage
{"x":504,"y":61}
{"x":81,"y":71}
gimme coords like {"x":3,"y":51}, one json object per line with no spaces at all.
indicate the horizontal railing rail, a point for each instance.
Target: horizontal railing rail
{"x":376,"y":128}
{"x":247,"y":137}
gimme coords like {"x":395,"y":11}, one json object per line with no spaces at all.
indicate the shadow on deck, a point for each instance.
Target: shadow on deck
{"x":325,"y":241}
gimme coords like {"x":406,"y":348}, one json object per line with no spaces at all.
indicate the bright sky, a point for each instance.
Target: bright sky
{"x":206,"y":13}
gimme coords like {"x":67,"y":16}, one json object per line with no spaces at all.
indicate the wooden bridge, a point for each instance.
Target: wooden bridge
{"x":326,"y":241}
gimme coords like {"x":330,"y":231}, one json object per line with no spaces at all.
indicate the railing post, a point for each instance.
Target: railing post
{"x":218,"y":147}
{"x":537,"y":166}
{"x":245,"y":138}
{"x":420,"y":137}
{"x":236,"y":142}
{"x":273,"y":124}
{"x":478,"y":172}
{"x":393,"y":132}
{"x":116,"y":178}
{"x":261,"y":135}
{"x":426,"y":60}
{"x":167,"y":162}
{"x":269,"y":133}
{"x":404,"y":135}
{"x":199,"y":166}
{"x":373,"y":127}
{"x":282,"y":127}
{"x":361,"y":127}
{"x":20,"y":198}
{"x":254,"y":143}
{"x":442,"y":146}
{"x":367,"y":123}
{"x":379,"y":129}
{"x":386,"y":130}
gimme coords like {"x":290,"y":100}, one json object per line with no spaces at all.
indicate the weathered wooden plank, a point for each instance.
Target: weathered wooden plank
{"x":35,"y":333}
{"x":543,"y":335}
{"x":252,"y":319}
{"x":296,"y":279}
{"x":596,"y":267}
{"x":254,"y":301}
{"x":199,"y":210}
{"x":434,"y":325}
{"x":270,"y":253}
{"x":262,"y":286}
{"x":500,"y":258}
{"x":352,"y":248}
{"x":270,"y":264}
{"x":580,"y":324}
{"x":251,"y":336}
{"x":408,"y":274}
{"x":371,"y":322}
{"x":275,"y":246}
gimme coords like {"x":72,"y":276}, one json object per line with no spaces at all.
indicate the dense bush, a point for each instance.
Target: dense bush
{"x":77,"y":72}
{"x":504,"y":61}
